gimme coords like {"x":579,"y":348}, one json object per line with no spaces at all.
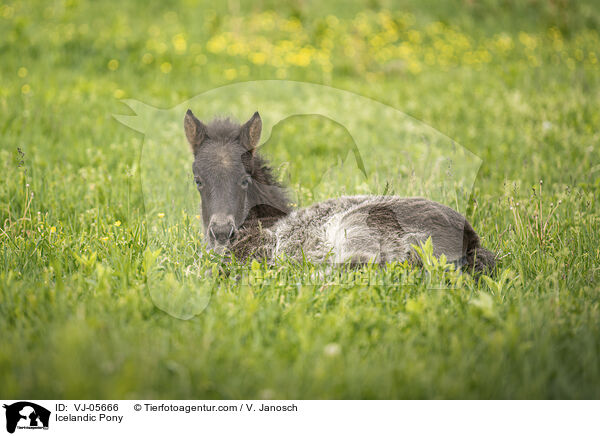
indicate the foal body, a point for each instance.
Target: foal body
{"x":246,"y":212}
{"x":360,"y":229}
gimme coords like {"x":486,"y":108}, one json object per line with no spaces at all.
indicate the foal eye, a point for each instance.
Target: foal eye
{"x":245,"y":182}
{"x":199,"y":183}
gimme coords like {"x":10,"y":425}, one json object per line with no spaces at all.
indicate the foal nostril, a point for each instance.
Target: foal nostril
{"x":222,"y":233}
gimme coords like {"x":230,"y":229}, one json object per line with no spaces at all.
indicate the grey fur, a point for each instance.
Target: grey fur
{"x":359,"y":229}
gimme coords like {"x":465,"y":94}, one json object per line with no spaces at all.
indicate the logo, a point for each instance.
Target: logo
{"x":26,"y":415}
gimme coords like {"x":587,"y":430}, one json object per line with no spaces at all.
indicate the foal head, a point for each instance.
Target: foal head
{"x":231,"y":178}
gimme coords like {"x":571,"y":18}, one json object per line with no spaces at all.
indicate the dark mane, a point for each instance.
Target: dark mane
{"x":268,"y":196}
{"x":223,"y":129}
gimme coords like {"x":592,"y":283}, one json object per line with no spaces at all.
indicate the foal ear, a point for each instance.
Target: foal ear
{"x":250,"y":132}
{"x":195,"y":131}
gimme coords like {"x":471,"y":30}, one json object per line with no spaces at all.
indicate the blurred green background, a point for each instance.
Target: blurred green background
{"x":515,"y":82}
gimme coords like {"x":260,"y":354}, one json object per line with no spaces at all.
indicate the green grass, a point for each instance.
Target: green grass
{"x":516,"y":85}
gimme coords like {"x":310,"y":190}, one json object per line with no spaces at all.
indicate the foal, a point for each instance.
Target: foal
{"x":246,"y":212}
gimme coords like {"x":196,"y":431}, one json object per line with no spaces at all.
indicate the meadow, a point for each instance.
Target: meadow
{"x":515,"y":83}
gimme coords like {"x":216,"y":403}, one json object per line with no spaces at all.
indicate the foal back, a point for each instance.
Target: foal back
{"x":362,"y":229}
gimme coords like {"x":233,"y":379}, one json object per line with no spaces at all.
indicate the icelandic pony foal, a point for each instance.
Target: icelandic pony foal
{"x":246,"y":212}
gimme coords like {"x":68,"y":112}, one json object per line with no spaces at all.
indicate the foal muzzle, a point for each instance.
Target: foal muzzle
{"x":221,"y":231}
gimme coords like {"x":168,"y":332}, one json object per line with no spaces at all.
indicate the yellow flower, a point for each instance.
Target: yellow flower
{"x":179,"y":43}
{"x":25,"y":89}
{"x":414,"y":67}
{"x":414,"y":36}
{"x":230,"y":74}
{"x":6,"y":11}
{"x":117,"y":224}
{"x":104,"y":239}
{"x":332,"y":20}
{"x":165,"y":67}
{"x":119,"y":93}
{"x":113,"y":64}
{"x":161,"y":215}
{"x":147,"y":58}
{"x":52,"y":229}
{"x":258,"y":58}
{"x":217,"y":44}
{"x":22,"y":72}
